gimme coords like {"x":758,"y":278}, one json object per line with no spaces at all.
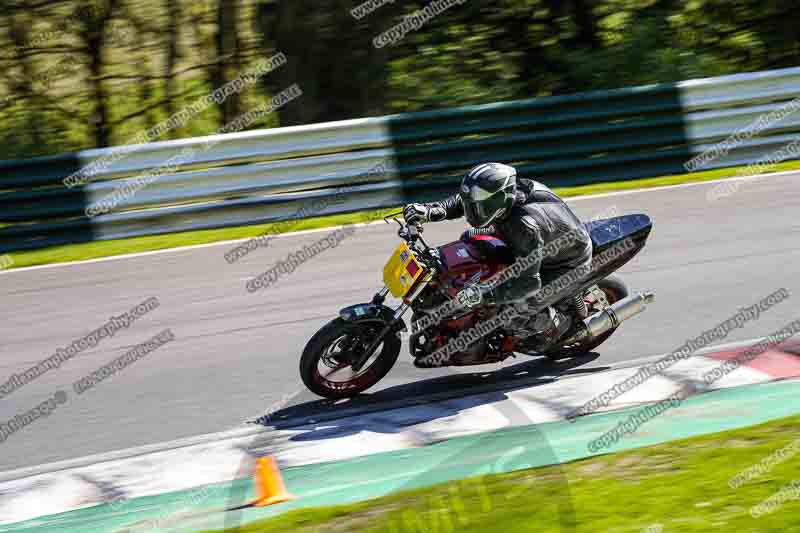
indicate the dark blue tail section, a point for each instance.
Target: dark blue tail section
{"x":609,"y":231}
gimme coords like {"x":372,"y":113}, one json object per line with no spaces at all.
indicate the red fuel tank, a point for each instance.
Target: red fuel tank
{"x":483,"y":255}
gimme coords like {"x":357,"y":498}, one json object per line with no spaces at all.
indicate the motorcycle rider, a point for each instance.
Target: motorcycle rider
{"x":527,"y":215}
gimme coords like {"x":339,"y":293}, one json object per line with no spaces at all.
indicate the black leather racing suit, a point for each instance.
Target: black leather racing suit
{"x":537,"y":217}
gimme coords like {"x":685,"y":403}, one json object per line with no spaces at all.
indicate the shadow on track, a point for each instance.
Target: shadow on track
{"x":489,"y":452}
{"x":525,"y":374}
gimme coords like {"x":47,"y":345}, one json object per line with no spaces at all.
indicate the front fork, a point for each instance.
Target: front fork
{"x":378,"y":299}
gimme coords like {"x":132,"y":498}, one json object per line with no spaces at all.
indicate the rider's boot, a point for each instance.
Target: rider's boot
{"x":546,"y":328}
{"x":552,"y":325}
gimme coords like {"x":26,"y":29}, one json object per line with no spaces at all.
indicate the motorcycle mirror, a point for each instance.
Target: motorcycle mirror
{"x":393,"y":216}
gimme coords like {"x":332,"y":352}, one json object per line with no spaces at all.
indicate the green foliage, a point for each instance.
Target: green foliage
{"x":446,"y":74}
{"x":478,"y":52}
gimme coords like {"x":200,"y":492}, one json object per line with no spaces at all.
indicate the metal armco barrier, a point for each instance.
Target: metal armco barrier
{"x":269,"y":175}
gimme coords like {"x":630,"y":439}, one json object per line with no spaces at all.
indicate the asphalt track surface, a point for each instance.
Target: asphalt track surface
{"x":235,"y":353}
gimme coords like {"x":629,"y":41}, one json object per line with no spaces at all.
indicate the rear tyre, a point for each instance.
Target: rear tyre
{"x":615,"y":290}
{"x":326,"y":363}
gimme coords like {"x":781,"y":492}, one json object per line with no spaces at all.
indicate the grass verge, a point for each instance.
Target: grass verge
{"x":93,"y":250}
{"x":677,"y":486}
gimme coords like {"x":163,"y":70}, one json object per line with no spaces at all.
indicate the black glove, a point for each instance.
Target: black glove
{"x":416,"y":213}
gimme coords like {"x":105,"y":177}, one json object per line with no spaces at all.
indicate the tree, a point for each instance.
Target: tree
{"x":172,"y":54}
{"x":19,"y":33}
{"x":229,"y":58}
{"x":94,"y":22}
{"x":330,"y":56}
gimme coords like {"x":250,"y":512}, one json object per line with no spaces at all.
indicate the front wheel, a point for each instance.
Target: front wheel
{"x":326,"y":363}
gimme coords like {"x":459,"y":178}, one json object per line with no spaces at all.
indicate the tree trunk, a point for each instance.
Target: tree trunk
{"x":93,"y":32}
{"x":330,"y":56}
{"x":586,"y":23}
{"x":229,"y":60}
{"x":174,"y":17}
{"x":19,"y":32}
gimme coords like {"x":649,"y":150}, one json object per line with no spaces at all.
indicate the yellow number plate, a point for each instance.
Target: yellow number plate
{"x":401,"y":271}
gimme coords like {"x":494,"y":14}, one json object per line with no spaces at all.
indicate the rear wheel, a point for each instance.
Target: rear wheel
{"x":326,"y":363}
{"x":615,"y":290}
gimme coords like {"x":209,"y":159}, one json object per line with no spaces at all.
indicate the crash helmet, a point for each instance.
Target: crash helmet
{"x":487,"y":193}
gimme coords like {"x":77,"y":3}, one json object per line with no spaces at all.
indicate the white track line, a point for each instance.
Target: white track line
{"x":680,"y":186}
{"x":175,"y":250}
{"x":243,"y":432}
{"x":331,"y":228}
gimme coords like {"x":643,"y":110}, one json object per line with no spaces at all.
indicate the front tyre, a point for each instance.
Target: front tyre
{"x":326,"y":363}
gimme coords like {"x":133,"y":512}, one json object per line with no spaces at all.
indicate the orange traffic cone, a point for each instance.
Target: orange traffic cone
{"x":269,"y":484}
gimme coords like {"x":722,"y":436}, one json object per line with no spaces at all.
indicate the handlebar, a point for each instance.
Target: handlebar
{"x":412,"y":234}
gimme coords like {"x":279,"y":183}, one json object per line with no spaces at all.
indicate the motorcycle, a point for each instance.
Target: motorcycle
{"x":355,"y":351}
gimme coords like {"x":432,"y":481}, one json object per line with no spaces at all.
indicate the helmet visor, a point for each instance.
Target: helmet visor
{"x":481,"y":207}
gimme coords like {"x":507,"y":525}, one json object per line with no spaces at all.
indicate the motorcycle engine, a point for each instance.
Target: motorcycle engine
{"x":484,"y":351}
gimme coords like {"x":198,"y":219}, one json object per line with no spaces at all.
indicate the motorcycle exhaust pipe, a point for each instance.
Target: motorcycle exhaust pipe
{"x":613,"y":316}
